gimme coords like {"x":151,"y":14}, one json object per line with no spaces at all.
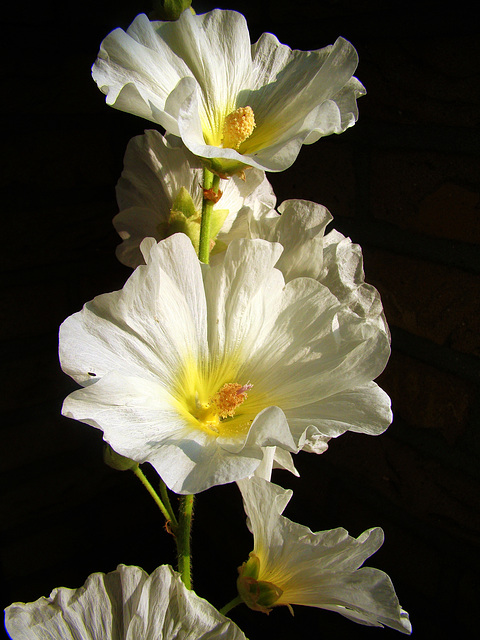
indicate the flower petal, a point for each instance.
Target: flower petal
{"x":126,"y":603}
{"x":126,"y":70}
{"x":365,"y":409}
{"x":138,"y":335}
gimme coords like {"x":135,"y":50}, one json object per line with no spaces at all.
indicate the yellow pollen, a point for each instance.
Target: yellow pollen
{"x":230,"y":396}
{"x":238,"y":126}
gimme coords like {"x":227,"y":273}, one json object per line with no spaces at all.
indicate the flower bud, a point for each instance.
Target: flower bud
{"x":116,"y":461}
{"x":169,"y":9}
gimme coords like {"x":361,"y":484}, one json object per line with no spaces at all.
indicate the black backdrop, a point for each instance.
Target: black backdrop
{"x":402,"y":182}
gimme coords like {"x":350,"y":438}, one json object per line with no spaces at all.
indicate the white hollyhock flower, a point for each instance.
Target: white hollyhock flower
{"x":126,"y":604}
{"x":160,"y":193}
{"x":292,"y":565}
{"x":232,"y":103}
{"x":196,"y":368}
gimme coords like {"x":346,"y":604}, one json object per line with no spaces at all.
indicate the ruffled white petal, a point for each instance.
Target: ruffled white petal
{"x":126,"y":603}
{"x":141,"y":335}
{"x":299,"y":229}
{"x":365,"y":409}
{"x":242,"y":293}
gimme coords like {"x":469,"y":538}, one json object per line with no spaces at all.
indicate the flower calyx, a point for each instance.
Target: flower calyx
{"x":184,"y":217}
{"x":258,"y":595}
{"x":116,"y":461}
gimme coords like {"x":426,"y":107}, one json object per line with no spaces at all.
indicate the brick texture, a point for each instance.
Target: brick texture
{"x":403,"y":183}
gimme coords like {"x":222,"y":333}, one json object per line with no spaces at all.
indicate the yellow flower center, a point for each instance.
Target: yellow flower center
{"x":221,"y":406}
{"x":238,"y":126}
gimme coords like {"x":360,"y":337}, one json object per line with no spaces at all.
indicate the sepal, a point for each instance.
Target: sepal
{"x":116,"y":461}
{"x":258,"y":595}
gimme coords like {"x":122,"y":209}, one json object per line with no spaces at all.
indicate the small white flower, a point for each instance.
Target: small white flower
{"x":126,"y":604}
{"x":156,"y":171}
{"x":232,"y":103}
{"x":292,"y":565}
{"x":197,"y":369}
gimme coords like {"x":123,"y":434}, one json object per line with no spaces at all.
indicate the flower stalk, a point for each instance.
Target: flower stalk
{"x":183,"y":539}
{"x":211,"y":193}
{"x":231,"y":605}
{"x":168,"y":505}
{"x":167,"y":513}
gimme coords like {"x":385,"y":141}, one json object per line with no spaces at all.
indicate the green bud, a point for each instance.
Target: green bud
{"x":217,"y":219}
{"x":218,"y":247}
{"x":183,"y":202}
{"x":169,"y":9}
{"x":259,"y":595}
{"x":178,"y":223}
{"x":116,"y":461}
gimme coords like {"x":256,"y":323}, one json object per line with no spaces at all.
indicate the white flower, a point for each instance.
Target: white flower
{"x":196,"y":369}
{"x":160,"y":176}
{"x":232,"y":103}
{"x":292,"y":565}
{"x":126,"y":604}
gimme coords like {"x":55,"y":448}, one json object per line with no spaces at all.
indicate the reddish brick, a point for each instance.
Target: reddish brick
{"x":426,"y":397}
{"x":432,"y":193}
{"x":424,"y":80}
{"x":324,"y":173}
{"x":421,"y":486}
{"x":429,"y":300}
{"x":452,"y":211}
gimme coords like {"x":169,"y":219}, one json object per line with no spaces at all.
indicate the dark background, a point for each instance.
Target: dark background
{"x":403,"y":183}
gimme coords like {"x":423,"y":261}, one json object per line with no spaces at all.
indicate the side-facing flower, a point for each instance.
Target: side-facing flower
{"x":291,"y":565}
{"x":197,"y":369}
{"x":126,"y":604}
{"x":233,"y":104}
{"x":160,"y":193}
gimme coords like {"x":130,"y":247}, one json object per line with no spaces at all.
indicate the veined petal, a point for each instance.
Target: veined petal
{"x":299,"y":229}
{"x":365,"y":409}
{"x":240,"y":293}
{"x":126,"y":603}
{"x":134,"y":334}
{"x":366,"y":597}
{"x":126,"y":70}
{"x":289,"y":85}
{"x":335,"y":350}
{"x":215,"y":47}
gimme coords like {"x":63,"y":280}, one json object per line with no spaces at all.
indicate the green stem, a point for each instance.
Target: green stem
{"x":233,"y":603}
{"x":139,"y":473}
{"x":210,"y":181}
{"x":183,"y":539}
{"x":168,"y":505}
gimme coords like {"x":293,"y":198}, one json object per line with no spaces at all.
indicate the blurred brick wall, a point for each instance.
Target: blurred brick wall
{"x":404,"y":183}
